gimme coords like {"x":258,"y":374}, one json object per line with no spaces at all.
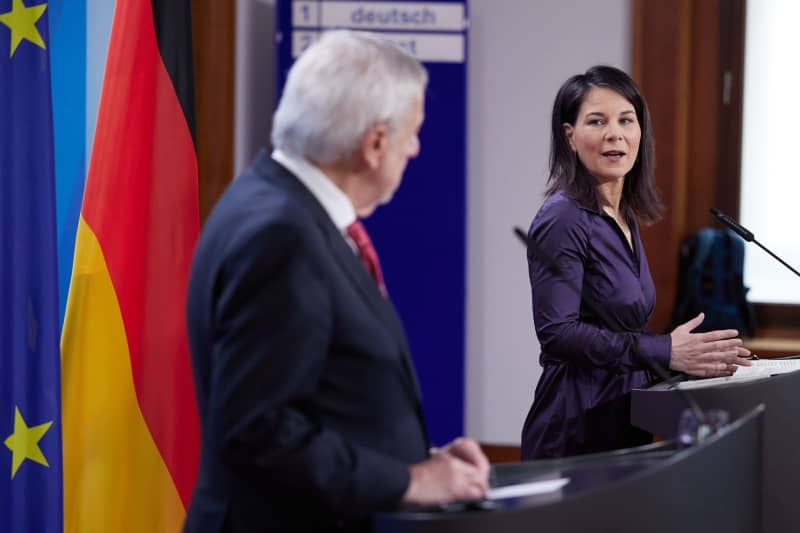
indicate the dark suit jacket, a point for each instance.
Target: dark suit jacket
{"x":310,"y":410}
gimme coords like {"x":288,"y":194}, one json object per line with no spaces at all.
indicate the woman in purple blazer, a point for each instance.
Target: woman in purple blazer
{"x":600,"y":189}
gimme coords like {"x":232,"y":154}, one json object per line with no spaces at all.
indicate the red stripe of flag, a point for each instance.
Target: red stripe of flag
{"x":141,"y":200}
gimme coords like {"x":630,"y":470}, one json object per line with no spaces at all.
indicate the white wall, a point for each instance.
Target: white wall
{"x":769,"y":193}
{"x":520,"y":51}
{"x":99,"y":15}
{"x":254,"y":86}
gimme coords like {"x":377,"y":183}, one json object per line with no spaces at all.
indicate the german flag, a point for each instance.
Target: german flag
{"x":130,"y":428}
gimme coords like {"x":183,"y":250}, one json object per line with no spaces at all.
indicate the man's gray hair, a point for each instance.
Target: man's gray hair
{"x":340,"y":87}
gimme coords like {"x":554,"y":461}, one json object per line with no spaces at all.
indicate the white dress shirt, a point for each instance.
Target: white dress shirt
{"x":333,"y":200}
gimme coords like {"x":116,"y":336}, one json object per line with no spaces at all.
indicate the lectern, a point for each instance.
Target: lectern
{"x":658,"y":408}
{"x":712,"y":486}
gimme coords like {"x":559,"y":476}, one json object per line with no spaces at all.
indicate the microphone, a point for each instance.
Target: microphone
{"x":613,"y":324}
{"x":747,"y":235}
{"x":743,"y":232}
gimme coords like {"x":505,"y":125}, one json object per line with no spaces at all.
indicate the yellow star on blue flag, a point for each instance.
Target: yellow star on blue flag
{"x":21,"y":20}
{"x":24,"y":442}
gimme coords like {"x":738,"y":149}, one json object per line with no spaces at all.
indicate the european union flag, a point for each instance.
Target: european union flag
{"x":30,"y":388}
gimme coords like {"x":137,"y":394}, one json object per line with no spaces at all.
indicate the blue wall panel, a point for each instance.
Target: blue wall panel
{"x":421,"y":235}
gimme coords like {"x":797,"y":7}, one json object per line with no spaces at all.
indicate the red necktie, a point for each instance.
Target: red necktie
{"x":367,"y":253}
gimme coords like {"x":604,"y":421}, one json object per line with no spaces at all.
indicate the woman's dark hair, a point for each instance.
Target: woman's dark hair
{"x":640,"y":198}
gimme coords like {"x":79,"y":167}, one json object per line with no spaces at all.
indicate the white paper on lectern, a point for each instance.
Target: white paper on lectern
{"x":527,"y":489}
{"x":760,"y":369}
{"x":771,"y":366}
{"x":712,"y":382}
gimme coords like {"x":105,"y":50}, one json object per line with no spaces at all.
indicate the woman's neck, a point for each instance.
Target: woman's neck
{"x":609,"y":196}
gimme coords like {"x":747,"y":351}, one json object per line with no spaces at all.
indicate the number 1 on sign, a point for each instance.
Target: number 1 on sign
{"x":305,"y":14}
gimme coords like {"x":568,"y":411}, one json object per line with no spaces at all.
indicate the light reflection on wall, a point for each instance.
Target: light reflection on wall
{"x":770,"y":153}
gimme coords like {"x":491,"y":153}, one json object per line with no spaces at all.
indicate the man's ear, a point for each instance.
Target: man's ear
{"x":568,"y":131}
{"x":373,"y":145}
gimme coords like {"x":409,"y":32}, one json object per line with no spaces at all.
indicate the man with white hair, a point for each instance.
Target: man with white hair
{"x":310,"y":411}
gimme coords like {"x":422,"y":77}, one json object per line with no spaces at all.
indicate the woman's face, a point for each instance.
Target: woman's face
{"x":606,"y":134}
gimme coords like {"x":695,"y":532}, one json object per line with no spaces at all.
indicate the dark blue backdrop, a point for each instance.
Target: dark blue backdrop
{"x":421,"y":238}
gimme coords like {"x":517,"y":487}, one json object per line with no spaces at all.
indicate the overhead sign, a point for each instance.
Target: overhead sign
{"x":430,"y":31}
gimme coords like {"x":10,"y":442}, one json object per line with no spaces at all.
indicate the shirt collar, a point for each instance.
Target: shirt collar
{"x":333,"y":200}
{"x":594,"y":208}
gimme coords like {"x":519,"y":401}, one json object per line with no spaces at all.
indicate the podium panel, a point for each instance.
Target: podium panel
{"x":710,"y":487}
{"x":658,"y":408}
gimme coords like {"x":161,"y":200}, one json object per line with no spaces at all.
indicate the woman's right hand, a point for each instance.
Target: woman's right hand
{"x":711,"y":354}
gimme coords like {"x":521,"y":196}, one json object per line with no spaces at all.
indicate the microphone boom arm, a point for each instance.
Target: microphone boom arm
{"x":747,"y":235}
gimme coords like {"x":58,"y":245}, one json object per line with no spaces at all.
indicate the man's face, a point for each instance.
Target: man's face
{"x":402,"y":145}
